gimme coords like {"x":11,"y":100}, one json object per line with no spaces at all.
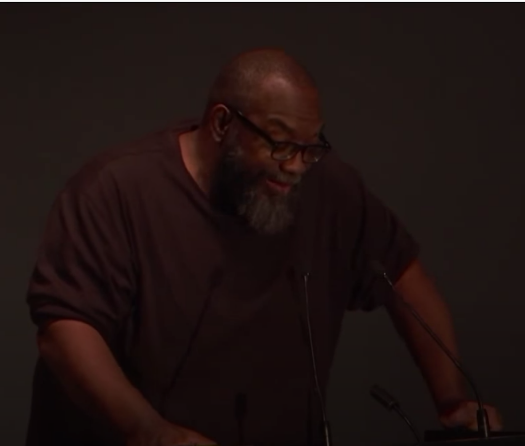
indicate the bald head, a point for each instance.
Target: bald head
{"x":262,"y":107}
{"x":250,"y":79}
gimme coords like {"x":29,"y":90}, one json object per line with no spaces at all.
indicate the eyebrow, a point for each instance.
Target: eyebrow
{"x":279,"y":123}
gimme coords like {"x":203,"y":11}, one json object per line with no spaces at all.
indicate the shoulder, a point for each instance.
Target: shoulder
{"x":113,"y":169}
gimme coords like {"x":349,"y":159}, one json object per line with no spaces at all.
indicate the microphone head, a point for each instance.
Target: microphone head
{"x":298,"y":272}
{"x":383,"y":397}
{"x":377,"y":267}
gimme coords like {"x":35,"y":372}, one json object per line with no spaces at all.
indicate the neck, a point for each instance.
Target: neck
{"x":197,"y":156}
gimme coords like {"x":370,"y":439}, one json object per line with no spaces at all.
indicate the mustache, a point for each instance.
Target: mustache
{"x":285,"y":178}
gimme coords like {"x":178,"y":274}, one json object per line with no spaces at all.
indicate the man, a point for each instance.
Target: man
{"x":171,"y":284}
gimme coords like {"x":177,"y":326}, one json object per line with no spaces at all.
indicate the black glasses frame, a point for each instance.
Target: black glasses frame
{"x":323,"y":147}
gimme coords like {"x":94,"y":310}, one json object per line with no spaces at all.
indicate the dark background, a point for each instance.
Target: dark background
{"x":425,"y":100}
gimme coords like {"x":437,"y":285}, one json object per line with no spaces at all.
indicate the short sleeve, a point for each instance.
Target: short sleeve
{"x":83,"y":269}
{"x":382,"y":240}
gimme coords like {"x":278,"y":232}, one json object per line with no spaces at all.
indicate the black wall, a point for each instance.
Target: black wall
{"x":427,"y":100}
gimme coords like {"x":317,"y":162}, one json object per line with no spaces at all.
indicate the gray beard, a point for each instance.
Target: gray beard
{"x":237,"y":191}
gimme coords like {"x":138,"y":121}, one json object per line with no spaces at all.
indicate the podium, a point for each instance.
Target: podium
{"x":470,"y":438}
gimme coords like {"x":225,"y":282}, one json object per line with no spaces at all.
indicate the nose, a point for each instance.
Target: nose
{"x":295,"y":165}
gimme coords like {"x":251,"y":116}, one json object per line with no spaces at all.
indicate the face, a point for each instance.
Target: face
{"x":248,"y":181}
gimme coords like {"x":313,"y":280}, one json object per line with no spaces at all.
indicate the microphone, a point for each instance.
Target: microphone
{"x":240,"y":414}
{"x":390,"y":403}
{"x":482,"y":417}
{"x":326,"y":424}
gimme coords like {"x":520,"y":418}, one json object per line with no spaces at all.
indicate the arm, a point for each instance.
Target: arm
{"x":84,"y":272}
{"x":92,"y":377}
{"x":83,"y":363}
{"x":445,"y":381}
{"x":383,"y":238}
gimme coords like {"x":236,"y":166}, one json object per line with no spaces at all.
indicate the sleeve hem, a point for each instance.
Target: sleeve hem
{"x":44,"y":321}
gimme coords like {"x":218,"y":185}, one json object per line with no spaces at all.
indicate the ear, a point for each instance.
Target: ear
{"x":220,"y":120}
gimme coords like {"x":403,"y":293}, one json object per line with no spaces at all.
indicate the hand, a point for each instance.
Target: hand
{"x":464,"y":414}
{"x":167,"y":434}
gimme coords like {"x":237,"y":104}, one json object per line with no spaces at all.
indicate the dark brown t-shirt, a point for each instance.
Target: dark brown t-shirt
{"x":206,"y":317}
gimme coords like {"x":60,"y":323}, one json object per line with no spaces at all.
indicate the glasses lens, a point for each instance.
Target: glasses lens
{"x":284,"y":151}
{"x":314,"y":153}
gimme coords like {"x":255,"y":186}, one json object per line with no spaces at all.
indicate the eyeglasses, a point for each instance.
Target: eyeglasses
{"x":285,"y":150}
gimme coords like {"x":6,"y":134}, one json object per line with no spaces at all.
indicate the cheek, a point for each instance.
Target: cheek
{"x":256,"y":148}
{"x":265,"y":167}
{"x":257,"y":159}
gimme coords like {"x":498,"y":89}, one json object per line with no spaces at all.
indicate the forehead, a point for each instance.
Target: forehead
{"x":290,"y":108}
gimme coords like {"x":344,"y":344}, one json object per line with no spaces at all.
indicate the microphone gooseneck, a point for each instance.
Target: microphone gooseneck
{"x":482,"y":417}
{"x":240,"y":414}
{"x":390,"y":403}
{"x":326,"y":424}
